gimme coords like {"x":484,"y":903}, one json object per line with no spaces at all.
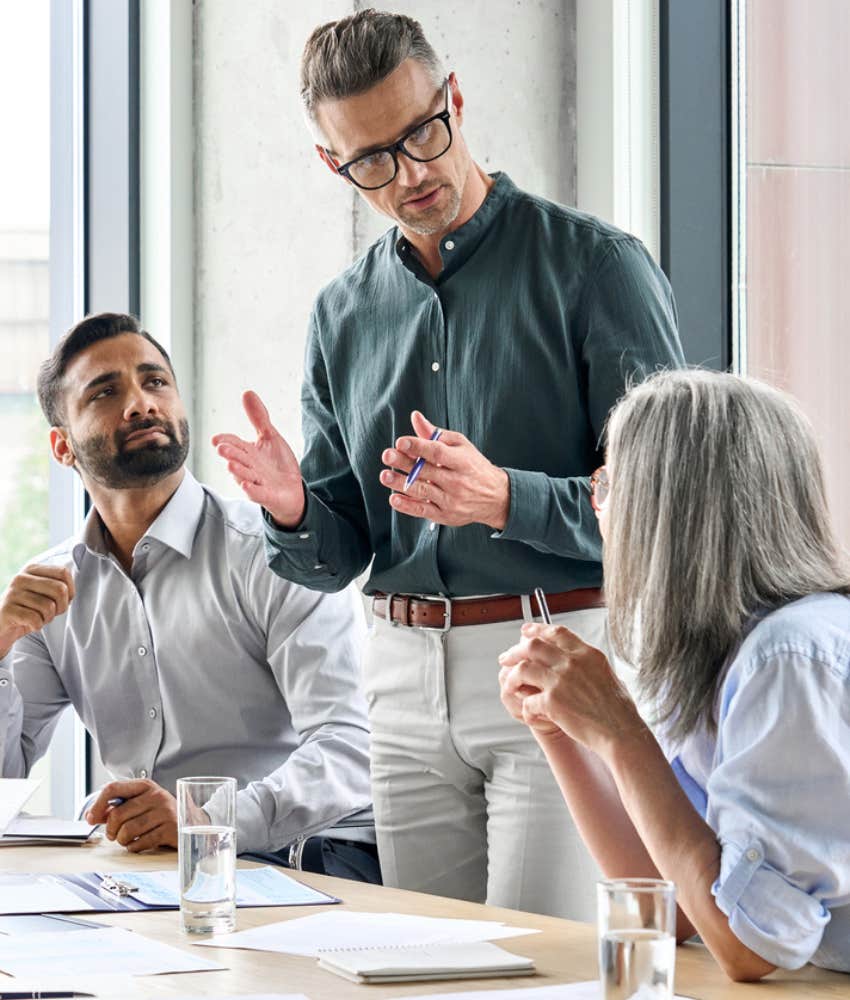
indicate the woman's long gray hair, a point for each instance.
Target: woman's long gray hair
{"x":717,"y":511}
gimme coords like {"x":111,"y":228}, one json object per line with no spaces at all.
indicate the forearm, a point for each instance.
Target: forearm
{"x":598,"y":812}
{"x":682,"y":846}
{"x":552,"y":515}
{"x":323,"y":781}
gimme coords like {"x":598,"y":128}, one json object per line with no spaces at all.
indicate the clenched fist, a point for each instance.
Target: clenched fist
{"x":34,"y":597}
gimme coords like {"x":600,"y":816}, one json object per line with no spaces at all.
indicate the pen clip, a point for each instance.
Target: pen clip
{"x":116,"y":887}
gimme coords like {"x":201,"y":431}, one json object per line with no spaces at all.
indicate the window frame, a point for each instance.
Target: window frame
{"x":94,"y":246}
{"x":697,"y":174}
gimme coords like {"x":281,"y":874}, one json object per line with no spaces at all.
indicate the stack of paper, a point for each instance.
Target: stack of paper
{"x":46,"y":831}
{"x":472,"y":960}
{"x":328,"y":931}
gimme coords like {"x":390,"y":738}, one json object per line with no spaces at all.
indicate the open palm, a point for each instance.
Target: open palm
{"x":266,"y":469}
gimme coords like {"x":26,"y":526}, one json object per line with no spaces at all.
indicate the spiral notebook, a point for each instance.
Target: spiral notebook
{"x":415,"y":963}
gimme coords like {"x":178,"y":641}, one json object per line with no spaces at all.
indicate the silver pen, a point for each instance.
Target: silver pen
{"x":540,"y":597}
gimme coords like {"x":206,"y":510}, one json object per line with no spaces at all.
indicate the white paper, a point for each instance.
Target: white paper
{"x":14,"y":792}
{"x":250,"y":996}
{"x":323,"y":932}
{"x":37,"y":894}
{"x":568,"y":991}
{"x":96,"y":952}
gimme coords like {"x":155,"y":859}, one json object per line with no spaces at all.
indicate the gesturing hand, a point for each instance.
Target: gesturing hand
{"x":552,"y":676}
{"x":266,"y":469}
{"x":34,"y":597}
{"x":457,"y":484}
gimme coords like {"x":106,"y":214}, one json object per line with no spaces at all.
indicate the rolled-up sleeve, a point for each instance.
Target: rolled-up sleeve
{"x":779,"y":802}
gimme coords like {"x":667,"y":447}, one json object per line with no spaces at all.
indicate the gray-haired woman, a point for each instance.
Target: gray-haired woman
{"x":725,"y":584}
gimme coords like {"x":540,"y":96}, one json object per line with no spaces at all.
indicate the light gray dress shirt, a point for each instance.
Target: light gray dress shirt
{"x":201,"y":661}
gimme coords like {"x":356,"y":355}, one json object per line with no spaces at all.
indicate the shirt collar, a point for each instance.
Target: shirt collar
{"x":456,"y":247}
{"x":175,"y":526}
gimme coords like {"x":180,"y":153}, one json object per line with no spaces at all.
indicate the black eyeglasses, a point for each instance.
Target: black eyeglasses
{"x":427,"y":141}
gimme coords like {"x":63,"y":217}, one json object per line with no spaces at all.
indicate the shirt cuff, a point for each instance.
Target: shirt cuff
{"x":251,"y":826}
{"x":7,"y":682}
{"x":526,"y":489}
{"x":772,"y":917}
{"x":285,"y":536}
{"x":299,"y":546}
{"x":252,"y":829}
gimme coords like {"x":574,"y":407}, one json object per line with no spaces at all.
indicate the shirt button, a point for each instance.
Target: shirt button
{"x":450,"y":244}
{"x":142,"y":651}
{"x":435,"y":367}
{"x":152,"y":713}
{"x":304,"y":534}
{"x":143,"y":773}
{"x":752,"y":854}
{"x":3,"y":682}
{"x":146,"y":547}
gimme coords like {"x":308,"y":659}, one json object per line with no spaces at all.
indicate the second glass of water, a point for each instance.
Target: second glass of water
{"x":637,"y":938}
{"x":207,"y":854}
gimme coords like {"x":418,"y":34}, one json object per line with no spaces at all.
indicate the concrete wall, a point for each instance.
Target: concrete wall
{"x":273,"y":225}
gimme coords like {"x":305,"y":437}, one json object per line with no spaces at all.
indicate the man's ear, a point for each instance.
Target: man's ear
{"x":328,"y":160}
{"x":61,"y":447}
{"x":455,"y":99}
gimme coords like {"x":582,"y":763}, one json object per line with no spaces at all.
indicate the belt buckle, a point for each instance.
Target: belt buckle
{"x":447,"y":618}
{"x":388,"y":611}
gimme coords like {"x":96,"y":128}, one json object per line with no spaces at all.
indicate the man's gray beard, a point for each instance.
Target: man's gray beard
{"x":134,"y":469}
{"x":422,"y":227}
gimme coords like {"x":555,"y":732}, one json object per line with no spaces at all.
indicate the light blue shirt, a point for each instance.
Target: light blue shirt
{"x":201,"y":661}
{"x":775,"y":785}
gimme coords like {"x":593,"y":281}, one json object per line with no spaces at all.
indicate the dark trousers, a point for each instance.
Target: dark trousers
{"x":330,"y":856}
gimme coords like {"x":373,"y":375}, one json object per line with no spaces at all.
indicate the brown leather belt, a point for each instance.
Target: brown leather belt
{"x":442,"y":613}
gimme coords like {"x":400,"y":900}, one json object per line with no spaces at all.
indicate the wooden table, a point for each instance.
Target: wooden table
{"x":564,"y":952}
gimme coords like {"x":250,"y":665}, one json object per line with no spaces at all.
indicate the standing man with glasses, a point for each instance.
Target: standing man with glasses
{"x":510,"y":325}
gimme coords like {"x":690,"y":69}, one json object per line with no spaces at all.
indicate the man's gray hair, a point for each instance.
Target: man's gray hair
{"x":717,"y":512}
{"x":347,"y":57}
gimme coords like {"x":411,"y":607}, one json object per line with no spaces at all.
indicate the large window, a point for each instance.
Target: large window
{"x":794,"y":223}
{"x":24,"y":289}
{"x":755,"y":200}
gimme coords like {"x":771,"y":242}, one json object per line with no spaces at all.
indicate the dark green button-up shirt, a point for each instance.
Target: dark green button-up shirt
{"x":523,"y":343}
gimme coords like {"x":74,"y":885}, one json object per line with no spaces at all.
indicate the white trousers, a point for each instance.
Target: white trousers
{"x":465,"y":802}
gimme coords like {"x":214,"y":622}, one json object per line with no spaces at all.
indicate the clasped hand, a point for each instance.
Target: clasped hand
{"x":557,"y":684}
{"x":457,"y":484}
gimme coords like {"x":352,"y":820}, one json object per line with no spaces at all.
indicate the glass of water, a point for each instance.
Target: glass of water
{"x":207,"y":854}
{"x":637,"y":938}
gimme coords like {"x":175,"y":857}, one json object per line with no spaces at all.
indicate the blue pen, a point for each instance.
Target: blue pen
{"x":413,"y":475}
